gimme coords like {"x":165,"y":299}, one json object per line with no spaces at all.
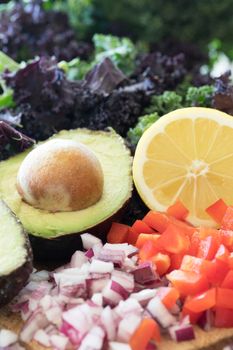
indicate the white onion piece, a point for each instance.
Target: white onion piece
{"x":144,"y":296}
{"x":98,"y":266}
{"x":127,"y":327}
{"x":89,"y":241}
{"x":182,"y":332}
{"x":110,"y":297}
{"x":124,"y":279}
{"x":128,"y":307}
{"x":36,"y":321}
{"x":78,"y":259}
{"x":113,"y":345}
{"x":54,"y":315}
{"x":96,"y":285}
{"x":128,"y":249}
{"x":42,"y":338}
{"x":117,"y":257}
{"x":93,"y":340}
{"x":160,"y":312}
{"x":59,"y":342}
{"x":108,"y":322}
{"x":79,"y":320}
{"x":7,"y":338}
{"x":97,"y":298}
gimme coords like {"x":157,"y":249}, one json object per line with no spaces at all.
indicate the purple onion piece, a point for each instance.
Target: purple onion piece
{"x":145,"y":273}
{"x":118,"y":288}
{"x":182,"y":332}
{"x":206,"y":320}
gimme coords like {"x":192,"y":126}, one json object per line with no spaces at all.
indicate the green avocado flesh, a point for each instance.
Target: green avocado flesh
{"x":13,"y":252}
{"x":116,"y":165}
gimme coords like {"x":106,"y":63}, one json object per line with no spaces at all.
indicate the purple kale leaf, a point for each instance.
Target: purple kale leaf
{"x":28,"y":30}
{"x":12,"y":141}
{"x":223,"y":96}
{"x":44,"y":97}
{"x":104,"y":77}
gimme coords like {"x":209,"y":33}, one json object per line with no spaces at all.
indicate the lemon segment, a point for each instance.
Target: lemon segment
{"x":186,"y":155}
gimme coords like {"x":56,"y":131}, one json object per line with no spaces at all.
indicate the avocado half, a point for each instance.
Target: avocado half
{"x":15,"y":255}
{"x":57,"y":235}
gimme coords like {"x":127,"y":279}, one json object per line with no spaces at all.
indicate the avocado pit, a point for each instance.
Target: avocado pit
{"x":61,"y":175}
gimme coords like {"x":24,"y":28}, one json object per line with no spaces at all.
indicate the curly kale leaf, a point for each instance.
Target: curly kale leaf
{"x":120,"y":50}
{"x":164,"y":103}
{"x":144,"y":122}
{"x":199,"y":96}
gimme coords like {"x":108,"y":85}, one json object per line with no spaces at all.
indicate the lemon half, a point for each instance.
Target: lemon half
{"x":187,"y":155}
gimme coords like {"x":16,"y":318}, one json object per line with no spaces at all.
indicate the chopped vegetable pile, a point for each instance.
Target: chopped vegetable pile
{"x":197,"y":261}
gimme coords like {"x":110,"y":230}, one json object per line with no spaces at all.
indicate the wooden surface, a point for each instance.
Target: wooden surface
{"x":213,"y":340}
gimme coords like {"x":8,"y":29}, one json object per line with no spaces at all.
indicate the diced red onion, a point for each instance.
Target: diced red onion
{"x":125,"y":279}
{"x":128,"y":307}
{"x":206,"y":320}
{"x":79,"y":320}
{"x":72,"y":333}
{"x":89,"y":240}
{"x":42,"y":338}
{"x":108,"y":322}
{"x":93,"y":340}
{"x":113,"y":345}
{"x":128,"y":249}
{"x":145,"y":273}
{"x":36,"y":321}
{"x":117,"y":257}
{"x":118,"y":288}
{"x":54,"y":315}
{"x":59,"y":342}
{"x":89,"y":253}
{"x":182,"y":332}
{"x":98,"y":266}
{"x":160,"y":312}
{"x":78,"y":259}
{"x":97,"y":298}
{"x":144,"y":296}
{"x":127,"y":327}
{"x":7,"y":338}
{"x":96,"y":285}
{"x":228,"y":347}
{"x":110,"y":297}
{"x":151,"y":346}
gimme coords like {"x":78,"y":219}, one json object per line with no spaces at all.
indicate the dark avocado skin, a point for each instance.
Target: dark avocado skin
{"x":11,"y":284}
{"x":63,"y":247}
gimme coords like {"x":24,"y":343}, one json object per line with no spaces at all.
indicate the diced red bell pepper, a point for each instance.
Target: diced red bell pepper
{"x":224,"y":298}
{"x":193,"y":316}
{"x":187,"y":282}
{"x":223,"y":318}
{"x":207,"y":248}
{"x":202,"y":302}
{"x":148,"y":250}
{"x":222,"y":253}
{"x":184,"y":227}
{"x":217,"y":210}
{"x":144,"y":237}
{"x":205,"y":232}
{"x":132,"y":236}
{"x":162,"y":263}
{"x":194,"y":243}
{"x":141,"y":227}
{"x":178,"y":211}
{"x":176,"y":260}
{"x":227,"y":221}
{"x":228,"y":280}
{"x":217,"y":271}
{"x":158,"y":221}
{"x":227,"y":238}
{"x":168,"y":295}
{"x":173,"y":240}
{"x":197,"y":265}
{"x":230,"y":261}
{"x":147,"y":329}
{"x":118,"y":233}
